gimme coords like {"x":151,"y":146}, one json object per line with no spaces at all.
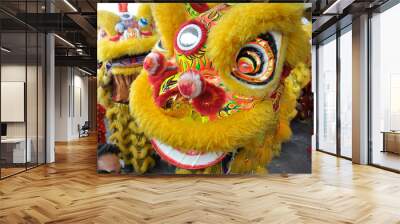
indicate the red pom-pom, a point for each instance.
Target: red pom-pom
{"x":210,"y":101}
{"x":190,"y":84}
{"x":154,"y":63}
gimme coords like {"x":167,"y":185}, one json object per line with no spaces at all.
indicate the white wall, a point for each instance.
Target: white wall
{"x":71,"y":94}
{"x":16,"y":73}
{"x":61,"y":103}
{"x":34,"y":125}
{"x":10,"y":73}
{"x":81,"y":84}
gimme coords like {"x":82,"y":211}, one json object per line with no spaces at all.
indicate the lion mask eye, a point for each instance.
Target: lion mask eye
{"x":256,"y":61}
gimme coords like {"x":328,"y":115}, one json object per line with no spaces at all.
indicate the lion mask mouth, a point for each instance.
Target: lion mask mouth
{"x":122,"y":82}
{"x":190,"y":160}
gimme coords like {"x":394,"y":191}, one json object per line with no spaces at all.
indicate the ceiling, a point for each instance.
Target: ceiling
{"x":72,"y":20}
{"x":75,"y":22}
{"x":332,"y":15}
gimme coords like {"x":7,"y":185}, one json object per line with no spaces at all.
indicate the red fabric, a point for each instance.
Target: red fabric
{"x":210,"y":101}
{"x":162,"y":99}
{"x":123,"y":7}
{"x":157,"y":80}
{"x":285,"y":72}
{"x":200,"y":7}
{"x":305,"y":103}
{"x":101,"y":128}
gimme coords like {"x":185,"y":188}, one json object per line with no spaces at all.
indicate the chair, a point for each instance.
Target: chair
{"x":84,"y":130}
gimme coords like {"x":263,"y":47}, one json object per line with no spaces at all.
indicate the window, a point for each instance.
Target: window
{"x":22,"y":76}
{"x":385,"y":89}
{"x":346,"y":92}
{"x":327,"y":96}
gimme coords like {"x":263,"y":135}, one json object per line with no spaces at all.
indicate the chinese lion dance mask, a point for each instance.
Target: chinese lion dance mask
{"x":124,"y":40}
{"x":219,"y":90}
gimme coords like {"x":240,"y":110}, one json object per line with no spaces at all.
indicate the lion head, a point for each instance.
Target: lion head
{"x":222,"y":84}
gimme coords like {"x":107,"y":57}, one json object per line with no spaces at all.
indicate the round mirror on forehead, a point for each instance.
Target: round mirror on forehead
{"x":190,"y":38}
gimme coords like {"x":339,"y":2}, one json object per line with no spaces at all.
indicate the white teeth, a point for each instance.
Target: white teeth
{"x":186,"y":161}
{"x":196,"y":160}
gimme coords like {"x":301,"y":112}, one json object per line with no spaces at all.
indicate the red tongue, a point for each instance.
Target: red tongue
{"x":199,"y":7}
{"x":146,"y":33}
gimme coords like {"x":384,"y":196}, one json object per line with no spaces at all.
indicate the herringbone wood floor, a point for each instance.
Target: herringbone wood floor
{"x":70,"y":191}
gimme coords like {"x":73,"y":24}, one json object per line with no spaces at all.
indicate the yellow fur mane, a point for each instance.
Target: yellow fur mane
{"x":107,"y":20}
{"x":258,"y":132}
{"x":107,"y":49}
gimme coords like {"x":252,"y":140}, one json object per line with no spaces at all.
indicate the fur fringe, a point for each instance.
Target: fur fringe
{"x":107,"y":20}
{"x":135,"y":148}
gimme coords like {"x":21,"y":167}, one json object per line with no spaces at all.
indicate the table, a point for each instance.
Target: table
{"x":391,"y":141}
{"x":16,"y":147}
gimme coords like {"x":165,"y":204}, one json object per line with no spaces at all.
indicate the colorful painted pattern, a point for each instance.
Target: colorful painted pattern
{"x":199,"y":62}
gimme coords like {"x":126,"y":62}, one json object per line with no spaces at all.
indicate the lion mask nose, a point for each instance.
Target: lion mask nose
{"x":190,"y":84}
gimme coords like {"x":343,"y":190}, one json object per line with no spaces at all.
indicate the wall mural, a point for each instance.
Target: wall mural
{"x":203,"y":88}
